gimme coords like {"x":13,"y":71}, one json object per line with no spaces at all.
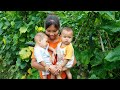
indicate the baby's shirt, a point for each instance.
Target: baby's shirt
{"x":42,"y":54}
{"x":66,"y":52}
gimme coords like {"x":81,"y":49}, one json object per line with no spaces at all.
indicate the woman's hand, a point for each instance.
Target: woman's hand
{"x":53,"y":69}
{"x":59,"y":68}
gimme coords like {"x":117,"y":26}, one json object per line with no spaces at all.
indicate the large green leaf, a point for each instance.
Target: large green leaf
{"x":18,"y":62}
{"x":93,"y":76}
{"x":116,"y":29}
{"x":113,"y":55}
{"x":23,"y":65}
{"x":111,"y":14}
{"x":22,"y":39}
{"x":107,"y":15}
{"x":25,"y":53}
{"x":22,"y":30}
{"x":15,"y":38}
{"x":99,"y":71}
{"x":1,"y":24}
{"x":97,"y":60}
{"x":111,"y":65}
{"x":12,"y":23}
{"x":97,"y":22}
{"x":85,"y":57}
{"x":1,"y":31}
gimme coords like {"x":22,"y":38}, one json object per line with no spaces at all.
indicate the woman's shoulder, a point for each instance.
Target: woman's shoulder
{"x":59,"y":44}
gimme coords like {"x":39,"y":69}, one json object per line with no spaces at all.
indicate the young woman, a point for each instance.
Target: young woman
{"x":52,"y":26}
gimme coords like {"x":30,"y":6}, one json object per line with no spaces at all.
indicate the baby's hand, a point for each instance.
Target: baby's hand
{"x":53,"y":69}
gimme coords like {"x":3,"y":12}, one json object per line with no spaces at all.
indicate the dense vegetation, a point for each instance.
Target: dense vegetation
{"x":96,"y":42}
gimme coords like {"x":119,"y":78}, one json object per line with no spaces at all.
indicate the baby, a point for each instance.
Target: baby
{"x":65,"y":52}
{"x":41,"y":53}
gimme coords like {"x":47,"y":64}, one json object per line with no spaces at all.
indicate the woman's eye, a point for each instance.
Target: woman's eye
{"x":48,"y":31}
{"x":51,"y":30}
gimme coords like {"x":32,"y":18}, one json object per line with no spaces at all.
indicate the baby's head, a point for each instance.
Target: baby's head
{"x":41,"y":39}
{"x":66,"y":35}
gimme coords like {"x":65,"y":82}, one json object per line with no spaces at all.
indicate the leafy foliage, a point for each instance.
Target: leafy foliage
{"x":96,"y":42}
{"x":114,"y":55}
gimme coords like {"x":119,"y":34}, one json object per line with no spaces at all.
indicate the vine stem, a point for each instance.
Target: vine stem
{"x":108,"y":40}
{"x":101,"y":42}
{"x":78,"y":34}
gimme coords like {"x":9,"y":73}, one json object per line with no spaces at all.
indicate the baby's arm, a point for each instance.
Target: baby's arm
{"x":60,"y":66}
{"x":68,"y":56}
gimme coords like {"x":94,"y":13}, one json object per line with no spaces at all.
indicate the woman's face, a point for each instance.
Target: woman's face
{"x":52,"y":32}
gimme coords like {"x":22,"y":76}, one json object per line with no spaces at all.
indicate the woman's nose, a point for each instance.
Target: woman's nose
{"x":51,"y":33}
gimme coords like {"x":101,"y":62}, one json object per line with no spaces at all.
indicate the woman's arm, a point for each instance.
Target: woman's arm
{"x":75,"y":62}
{"x":36,"y":65}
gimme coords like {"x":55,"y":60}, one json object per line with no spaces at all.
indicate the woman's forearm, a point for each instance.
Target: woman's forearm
{"x":36,"y":65}
{"x":75,"y":62}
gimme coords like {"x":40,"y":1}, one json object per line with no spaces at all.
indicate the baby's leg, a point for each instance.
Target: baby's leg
{"x":44,"y":77}
{"x":52,"y":76}
{"x":64,"y":69}
{"x":59,"y":76}
{"x":69,"y":75}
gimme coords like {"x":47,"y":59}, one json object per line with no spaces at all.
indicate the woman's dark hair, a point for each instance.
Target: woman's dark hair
{"x":52,"y":20}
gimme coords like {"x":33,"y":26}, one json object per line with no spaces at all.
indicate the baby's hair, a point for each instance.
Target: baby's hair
{"x":39,"y":36}
{"x":67,"y":29}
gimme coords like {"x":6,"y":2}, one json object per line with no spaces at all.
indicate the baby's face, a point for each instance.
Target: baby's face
{"x":44,"y":42}
{"x":66,"y":37}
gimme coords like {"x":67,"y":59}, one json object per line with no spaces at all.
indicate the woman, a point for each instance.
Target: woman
{"x":52,"y":26}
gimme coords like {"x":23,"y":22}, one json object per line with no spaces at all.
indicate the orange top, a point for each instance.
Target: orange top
{"x":53,"y":45}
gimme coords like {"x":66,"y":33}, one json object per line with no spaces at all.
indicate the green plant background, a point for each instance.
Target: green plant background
{"x":96,"y":42}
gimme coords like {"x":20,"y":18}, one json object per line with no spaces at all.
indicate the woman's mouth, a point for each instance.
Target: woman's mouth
{"x":52,"y":37}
